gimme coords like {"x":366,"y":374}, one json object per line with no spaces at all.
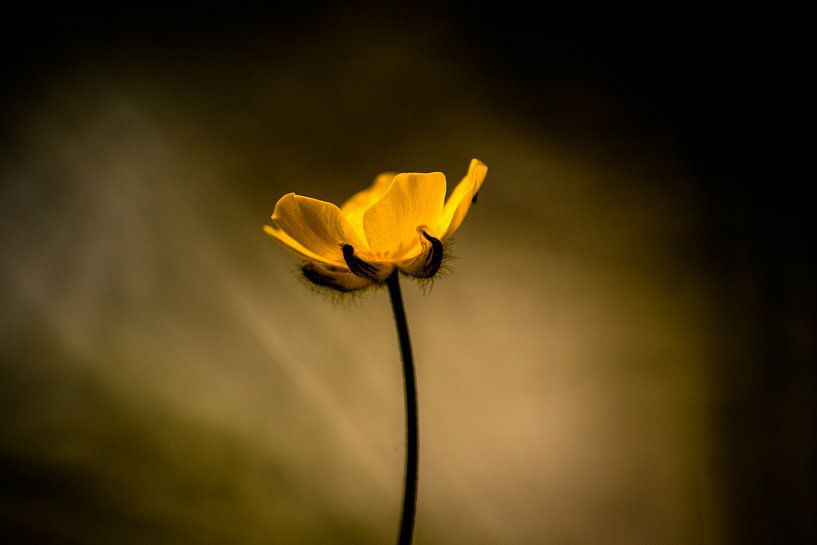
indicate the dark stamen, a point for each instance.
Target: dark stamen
{"x":434,"y":258}
{"x":315,"y":276}
{"x":357,"y":265}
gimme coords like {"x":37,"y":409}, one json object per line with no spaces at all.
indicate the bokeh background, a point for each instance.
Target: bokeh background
{"x":621,"y":352}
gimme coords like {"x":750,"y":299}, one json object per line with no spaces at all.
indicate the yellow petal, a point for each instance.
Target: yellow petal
{"x":412,"y":200}
{"x":315,"y":229}
{"x":357,"y":204}
{"x":362,"y":200}
{"x":291,"y":244}
{"x":459,"y":202}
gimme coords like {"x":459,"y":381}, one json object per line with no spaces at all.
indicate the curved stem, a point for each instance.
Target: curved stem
{"x":410,"y":488}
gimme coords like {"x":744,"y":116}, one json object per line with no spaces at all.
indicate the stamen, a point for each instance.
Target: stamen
{"x":357,"y":265}
{"x":311,"y":273}
{"x":434,"y":258}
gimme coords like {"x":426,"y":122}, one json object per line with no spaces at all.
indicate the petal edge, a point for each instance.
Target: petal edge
{"x":459,"y":202}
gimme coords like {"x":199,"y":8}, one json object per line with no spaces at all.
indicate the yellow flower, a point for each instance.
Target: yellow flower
{"x":400,"y":221}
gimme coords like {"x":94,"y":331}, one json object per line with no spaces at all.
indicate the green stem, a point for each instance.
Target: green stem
{"x":410,"y":489}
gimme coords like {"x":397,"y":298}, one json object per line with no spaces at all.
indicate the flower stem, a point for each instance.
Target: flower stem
{"x":410,"y":488}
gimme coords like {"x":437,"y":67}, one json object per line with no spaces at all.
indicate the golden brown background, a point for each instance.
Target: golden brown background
{"x":622,"y":351}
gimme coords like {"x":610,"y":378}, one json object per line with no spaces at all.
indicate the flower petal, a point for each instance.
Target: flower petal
{"x":357,"y":204}
{"x":291,"y":244}
{"x":315,"y":229}
{"x":362,"y":200}
{"x":412,"y":200}
{"x":459,"y":202}
{"x":333,"y":277}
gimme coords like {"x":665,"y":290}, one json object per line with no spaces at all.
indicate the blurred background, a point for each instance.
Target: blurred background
{"x":621,"y":352}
